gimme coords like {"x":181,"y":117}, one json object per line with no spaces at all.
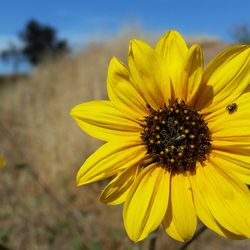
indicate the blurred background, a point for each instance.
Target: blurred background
{"x":54,"y":55}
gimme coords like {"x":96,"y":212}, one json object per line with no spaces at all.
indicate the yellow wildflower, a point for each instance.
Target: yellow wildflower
{"x":2,"y":161}
{"x":177,"y":139}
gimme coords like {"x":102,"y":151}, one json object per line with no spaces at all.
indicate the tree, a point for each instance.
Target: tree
{"x":40,"y":41}
{"x":241,"y":34}
{"x":14,"y":55}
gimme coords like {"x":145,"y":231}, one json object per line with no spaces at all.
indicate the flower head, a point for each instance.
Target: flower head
{"x":177,"y":139}
{"x":2,"y":161}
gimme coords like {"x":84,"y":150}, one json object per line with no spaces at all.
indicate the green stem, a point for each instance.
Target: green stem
{"x":152,"y":240}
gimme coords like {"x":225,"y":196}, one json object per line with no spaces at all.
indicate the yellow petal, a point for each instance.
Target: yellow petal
{"x":234,"y":163}
{"x":193,"y":69}
{"x":240,"y":147}
{"x":103,"y":121}
{"x":224,"y":79}
{"x":236,"y":130}
{"x":148,"y":74}
{"x":180,"y":220}
{"x":147,"y":202}
{"x":110,"y":159}
{"x":222,"y":116}
{"x":241,"y":159}
{"x":117,"y":190}
{"x":173,"y":49}
{"x":227,"y":198}
{"x":234,"y":156}
{"x":122,"y":93}
{"x":225,"y":126}
{"x":204,"y":213}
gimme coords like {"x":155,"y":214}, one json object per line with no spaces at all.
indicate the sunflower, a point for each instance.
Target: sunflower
{"x":177,"y":139}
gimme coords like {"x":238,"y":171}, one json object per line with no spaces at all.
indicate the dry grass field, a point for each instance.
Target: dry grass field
{"x":41,"y":208}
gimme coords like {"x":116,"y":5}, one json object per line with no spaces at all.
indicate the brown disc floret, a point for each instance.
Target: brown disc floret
{"x":176,"y":136}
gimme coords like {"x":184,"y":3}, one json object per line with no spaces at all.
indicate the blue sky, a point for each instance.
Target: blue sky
{"x":79,"y":21}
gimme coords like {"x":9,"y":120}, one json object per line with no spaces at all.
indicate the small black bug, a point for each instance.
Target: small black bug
{"x":231,"y":108}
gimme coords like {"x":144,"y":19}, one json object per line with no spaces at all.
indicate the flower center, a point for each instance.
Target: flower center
{"x":176,"y":136}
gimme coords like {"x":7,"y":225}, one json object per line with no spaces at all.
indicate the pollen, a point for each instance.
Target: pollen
{"x":182,"y":136}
